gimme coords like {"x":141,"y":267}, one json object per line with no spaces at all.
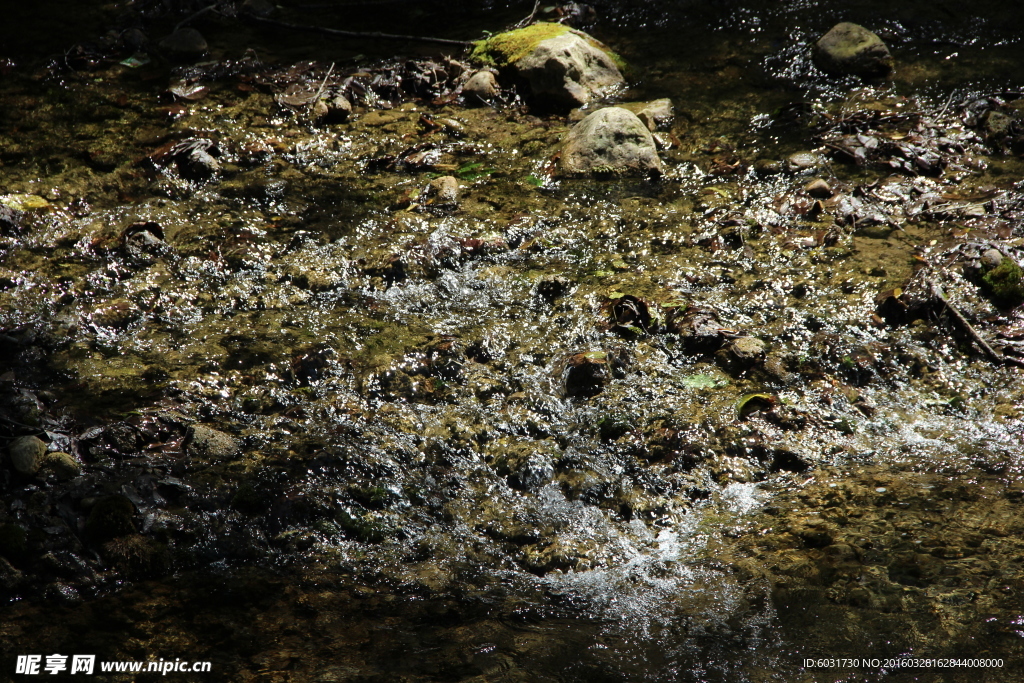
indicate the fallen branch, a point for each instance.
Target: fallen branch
{"x":937,"y":293}
{"x":358,"y":34}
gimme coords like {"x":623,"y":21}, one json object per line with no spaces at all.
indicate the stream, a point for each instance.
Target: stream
{"x":757,"y":419}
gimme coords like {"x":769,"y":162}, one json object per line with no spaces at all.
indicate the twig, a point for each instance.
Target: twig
{"x":20,"y":424}
{"x":528,"y":20}
{"x":358,"y":34}
{"x":948,"y":102}
{"x":959,"y":317}
{"x":320,"y":90}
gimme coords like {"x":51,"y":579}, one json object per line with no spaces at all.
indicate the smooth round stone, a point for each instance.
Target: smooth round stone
{"x":27,"y":454}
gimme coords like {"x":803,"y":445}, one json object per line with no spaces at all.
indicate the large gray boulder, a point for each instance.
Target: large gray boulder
{"x":568,"y":71}
{"x":611,"y":141}
{"x":852,"y":49}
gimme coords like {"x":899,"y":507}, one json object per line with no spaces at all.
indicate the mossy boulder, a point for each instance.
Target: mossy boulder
{"x":610,"y":142}
{"x":852,"y":49}
{"x":561,"y":68}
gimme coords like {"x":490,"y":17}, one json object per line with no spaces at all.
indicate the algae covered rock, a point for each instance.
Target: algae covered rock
{"x":561,"y":67}
{"x":27,"y":454}
{"x":610,"y":141}
{"x":852,"y":49}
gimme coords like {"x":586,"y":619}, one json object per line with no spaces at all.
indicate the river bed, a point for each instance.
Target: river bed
{"x":712,"y":426}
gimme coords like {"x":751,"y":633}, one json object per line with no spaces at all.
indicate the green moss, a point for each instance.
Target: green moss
{"x":506,"y":48}
{"x":1004,"y":283}
{"x":511,"y":46}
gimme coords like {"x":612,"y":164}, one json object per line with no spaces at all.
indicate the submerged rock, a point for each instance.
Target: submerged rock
{"x":561,"y":67}
{"x":610,"y":141}
{"x":852,"y":49}
{"x":206,"y":442}
{"x":27,"y":454}
{"x":184,"y":44}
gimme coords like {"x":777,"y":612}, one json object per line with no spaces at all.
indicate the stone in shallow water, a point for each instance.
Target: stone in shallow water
{"x":481,"y":86}
{"x":852,"y":49}
{"x":185,"y":43}
{"x":568,"y":71}
{"x":206,"y":442}
{"x":27,"y":454}
{"x":443,"y":191}
{"x":63,"y":465}
{"x":610,"y":141}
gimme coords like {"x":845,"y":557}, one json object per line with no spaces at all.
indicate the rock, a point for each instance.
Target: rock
{"x":27,"y":454}
{"x":184,"y":44}
{"x":338,"y":109}
{"x":768,"y":167}
{"x":852,"y":49}
{"x":443,"y":191}
{"x":991,"y":259}
{"x":561,"y":68}
{"x":610,"y":141}
{"x":134,"y":39}
{"x":481,"y":86}
{"x":259,"y":8}
{"x":818,"y":188}
{"x":63,"y":465}
{"x":803,"y":162}
{"x":568,"y":71}
{"x":741,"y":354}
{"x":747,"y":349}
{"x":654,"y":114}
{"x":205,"y":442}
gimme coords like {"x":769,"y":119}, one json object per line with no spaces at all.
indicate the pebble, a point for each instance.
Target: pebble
{"x":818,"y":188}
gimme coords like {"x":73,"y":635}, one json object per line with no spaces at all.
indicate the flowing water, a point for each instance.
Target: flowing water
{"x":514,"y":439}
